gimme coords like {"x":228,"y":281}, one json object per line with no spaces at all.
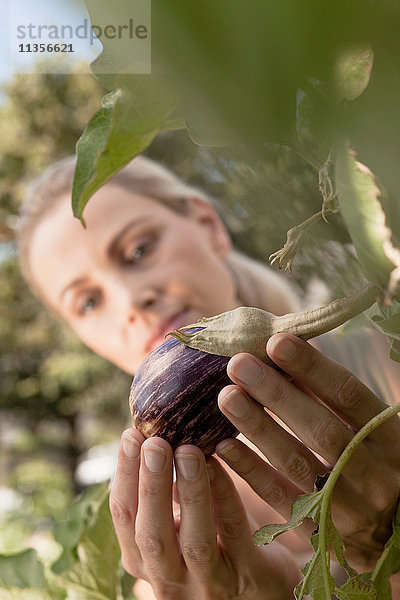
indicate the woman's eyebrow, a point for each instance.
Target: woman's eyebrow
{"x":74,"y":283}
{"x":117,"y":239}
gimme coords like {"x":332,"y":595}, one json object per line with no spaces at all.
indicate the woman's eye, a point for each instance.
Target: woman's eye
{"x":134,"y":255}
{"x":89,"y":304}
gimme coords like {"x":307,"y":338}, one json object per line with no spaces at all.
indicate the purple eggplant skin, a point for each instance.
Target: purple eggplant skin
{"x":174,"y":396}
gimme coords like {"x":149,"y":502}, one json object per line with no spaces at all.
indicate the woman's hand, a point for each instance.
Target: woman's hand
{"x":205,"y":553}
{"x":323,"y":406}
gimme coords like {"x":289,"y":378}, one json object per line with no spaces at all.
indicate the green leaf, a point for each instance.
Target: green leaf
{"x":387,"y":320}
{"x":395,"y":351}
{"x":16,"y":593}
{"x":305,"y":506}
{"x":352,"y":71}
{"x":313,"y":582}
{"x":335,"y":541}
{"x":389,"y":561}
{"x":23,"y":570}
{"x":356,"y":589}
{"x":95,"y":575}
{"x":126,"y":53}
{"x":83,"y":511}
{"x":389,"y":325}
{"x":230,"y":80}
{"x":124,"y":126}
{"x":362,"y":205}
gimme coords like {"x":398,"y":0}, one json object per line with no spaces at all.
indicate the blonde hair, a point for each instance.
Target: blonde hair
{"x":142,"y":175}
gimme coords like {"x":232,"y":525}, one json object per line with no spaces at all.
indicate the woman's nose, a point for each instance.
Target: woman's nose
{"x":141,"y":302}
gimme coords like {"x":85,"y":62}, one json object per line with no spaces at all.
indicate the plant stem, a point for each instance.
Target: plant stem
{"x":380,"y":563}
{"x":315,"y":322}
{"x":309,"y":572}
{"x":334,"y":476}
{"x":305,"y":225}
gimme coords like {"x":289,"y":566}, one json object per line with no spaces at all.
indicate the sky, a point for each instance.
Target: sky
{"x":45,"y":12}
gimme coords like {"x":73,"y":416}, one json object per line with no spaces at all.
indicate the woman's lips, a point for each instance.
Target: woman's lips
{"x":176,"y":322}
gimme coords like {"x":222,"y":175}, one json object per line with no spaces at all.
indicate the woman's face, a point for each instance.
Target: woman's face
{"x":138,"y":270}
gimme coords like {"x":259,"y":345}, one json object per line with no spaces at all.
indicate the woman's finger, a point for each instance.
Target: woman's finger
{"x":230,"y":516}
{"x":124,"y":498}
{"x":335,"y":385}
{"x":317,"y":427}
{"x":155,"y":526}
{"x":197,"y":532}
{"x":307,"y":419}
{"x":268,"y":483}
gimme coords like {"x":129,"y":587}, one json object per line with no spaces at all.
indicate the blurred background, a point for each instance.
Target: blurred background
{"x":62,"y":408}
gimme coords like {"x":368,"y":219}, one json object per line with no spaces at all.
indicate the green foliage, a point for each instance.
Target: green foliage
{"x":89,"y":568}
{"x":298,"y":96}
{"x":22,"y":570}
{"x":15,"y":593}
{"x":68,"y":533}
{"x":352,"y":71}
{"x":206,"y":78}
{"x":45,"y":489}
{"x":389,"y":562}
{"x":387,"y":320}
{"x":119,"y":131}
{"x":93,"y":576}
{"x":305,"y":506}
{"x":362,"y":204}
{"x":313,"y":582}
{"x":42,"y":118}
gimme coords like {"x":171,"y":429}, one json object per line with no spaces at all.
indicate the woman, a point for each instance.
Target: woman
{"x":155,"y":256}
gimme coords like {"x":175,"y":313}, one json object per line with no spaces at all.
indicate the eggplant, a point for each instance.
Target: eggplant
{"x":174,"y":396}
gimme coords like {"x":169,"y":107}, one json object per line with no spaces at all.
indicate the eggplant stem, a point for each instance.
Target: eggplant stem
{"x":312,"y":323}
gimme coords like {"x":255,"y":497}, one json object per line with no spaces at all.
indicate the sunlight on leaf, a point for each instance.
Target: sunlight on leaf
{"x":362,"y":203}
{"x":352,"y":71}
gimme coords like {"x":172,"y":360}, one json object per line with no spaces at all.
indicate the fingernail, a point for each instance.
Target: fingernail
{"x":229,"y":451}
{"x":154,"y":457}
{"x":236,"y":404}
{"x":130,"y":446}
{"x":246,"y":369}
{"x":282,"y":349}
{"x":188,"y":465}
